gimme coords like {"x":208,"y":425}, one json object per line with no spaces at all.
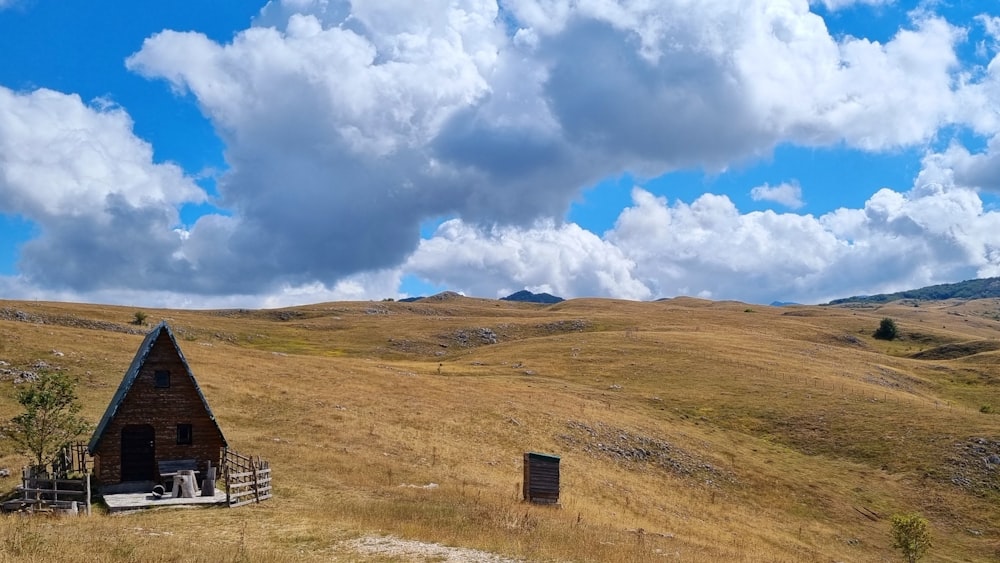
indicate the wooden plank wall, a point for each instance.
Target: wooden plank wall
{"x":541,"y":478}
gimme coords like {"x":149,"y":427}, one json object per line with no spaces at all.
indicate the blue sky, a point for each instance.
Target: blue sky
{"x":254,"y":154}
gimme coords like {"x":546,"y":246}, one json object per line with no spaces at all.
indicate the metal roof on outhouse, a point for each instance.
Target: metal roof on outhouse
{"x":133,"y":373}
{"x":547,"y":457}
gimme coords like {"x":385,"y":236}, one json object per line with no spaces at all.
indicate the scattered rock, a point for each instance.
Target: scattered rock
{"x":26,"y":377}
{"x":8,"y":314}
{"x":17,"y":376}
{"x":473,"y":337}
{"x":576,"y":325}
{"x":57,"y":353}
{"x":622,"y":446}
{"x":975,"y":465}
{"x":286,"y":316}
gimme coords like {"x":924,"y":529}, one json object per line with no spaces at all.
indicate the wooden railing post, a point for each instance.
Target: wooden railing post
{"x":253,"y":473}
{"x":225,"y":473}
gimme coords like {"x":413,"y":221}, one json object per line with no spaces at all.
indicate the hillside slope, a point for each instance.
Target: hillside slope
{"x":688,"y":429}
{"x":985,"y":288}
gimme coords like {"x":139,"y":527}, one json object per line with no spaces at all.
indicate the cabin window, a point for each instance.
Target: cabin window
{"x":184,"y":434}
{"x":161,"y":379}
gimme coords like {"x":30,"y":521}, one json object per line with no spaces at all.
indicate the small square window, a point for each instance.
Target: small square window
{"x":184,"y":434}
{"x":161,"y":379}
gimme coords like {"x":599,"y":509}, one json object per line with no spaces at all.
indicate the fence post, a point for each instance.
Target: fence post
{"x":87,"y":480}
{"x":253,"y":472}
{"x":225,"y":474}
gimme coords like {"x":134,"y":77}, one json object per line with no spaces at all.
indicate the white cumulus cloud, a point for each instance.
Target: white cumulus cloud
{"x":561,"y":259}
{"x":788,"y":194}
{"x":104,"y":210}
{"x":931,"y":234}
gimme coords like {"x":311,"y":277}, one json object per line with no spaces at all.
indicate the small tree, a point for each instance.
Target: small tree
{"x":50,"y":419}
{"x":910,"y":535}
{"x":887,"y":330}
{"x":139,"y":319}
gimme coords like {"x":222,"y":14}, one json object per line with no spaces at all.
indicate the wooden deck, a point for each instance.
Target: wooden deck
{"x":143,"y":501}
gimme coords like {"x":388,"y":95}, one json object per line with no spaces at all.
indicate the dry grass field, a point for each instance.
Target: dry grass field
{"x":689,"y":430}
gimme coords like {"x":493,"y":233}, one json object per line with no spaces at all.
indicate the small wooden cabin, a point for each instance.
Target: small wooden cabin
{"x":158,"y":414}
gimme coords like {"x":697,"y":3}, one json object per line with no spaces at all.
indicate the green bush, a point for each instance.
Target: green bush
{"x":887,"y":330}
{"x":986,"y":409}
{"x":910,"y":535}
{"x":139,"y":318}
{"x":51,"y":417}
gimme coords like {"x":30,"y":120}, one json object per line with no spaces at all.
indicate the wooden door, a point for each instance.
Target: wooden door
{"x":138,"y":453}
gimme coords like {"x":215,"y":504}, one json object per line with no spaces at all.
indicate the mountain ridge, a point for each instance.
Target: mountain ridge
{"x":983,"y":288}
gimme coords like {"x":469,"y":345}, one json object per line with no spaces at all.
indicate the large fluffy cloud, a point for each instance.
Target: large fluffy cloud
{"x":708,"y":248}
{"x":106,"y":211}
{"x":347,"y":125}
{"x":565,"y":260}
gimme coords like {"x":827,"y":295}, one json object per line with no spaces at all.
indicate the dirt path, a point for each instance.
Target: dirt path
{"x":421,"y":551}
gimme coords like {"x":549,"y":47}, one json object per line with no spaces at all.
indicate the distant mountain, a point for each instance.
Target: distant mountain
{"x":525,"y":296}
{"x":783,"y":303}
{"x":986,"y":288}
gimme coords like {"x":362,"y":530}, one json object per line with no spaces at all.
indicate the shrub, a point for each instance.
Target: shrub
{"x":139,"y":318}
{"x":887,"y":330}
{"x":50,"y":419}
{"x":986,"y":409}
{"x":910,"y":535}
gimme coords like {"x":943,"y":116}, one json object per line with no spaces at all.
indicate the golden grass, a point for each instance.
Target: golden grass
{"x":770,"y":427}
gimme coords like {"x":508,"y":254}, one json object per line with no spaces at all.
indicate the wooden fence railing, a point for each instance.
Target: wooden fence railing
{"x":62,"y":484}
{"x":47,"y":491}
{"x":248,"y":479}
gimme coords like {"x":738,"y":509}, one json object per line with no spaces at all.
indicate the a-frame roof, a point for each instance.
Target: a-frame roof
{"x":133,"y":373}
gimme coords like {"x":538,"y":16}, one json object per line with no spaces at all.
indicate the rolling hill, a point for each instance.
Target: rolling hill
{"x":688,"y":429}
{"x":985,"y":288}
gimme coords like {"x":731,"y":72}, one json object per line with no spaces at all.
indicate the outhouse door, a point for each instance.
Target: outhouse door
{"x":138,"y":453}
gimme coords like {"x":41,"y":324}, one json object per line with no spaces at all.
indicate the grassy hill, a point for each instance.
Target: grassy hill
{"x":985,"y":288}
{"x":689,"y":430}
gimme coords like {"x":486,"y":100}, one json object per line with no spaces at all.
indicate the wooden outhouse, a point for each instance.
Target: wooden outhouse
{"x":158,"y":414}
{"x":541,"y":478}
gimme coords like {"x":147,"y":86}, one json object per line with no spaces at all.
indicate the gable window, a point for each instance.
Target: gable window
{"x":161,"y":379}
{"x":185,"y":436}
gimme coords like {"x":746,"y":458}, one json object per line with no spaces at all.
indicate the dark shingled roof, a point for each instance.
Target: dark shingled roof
{"x":133,"y":372}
